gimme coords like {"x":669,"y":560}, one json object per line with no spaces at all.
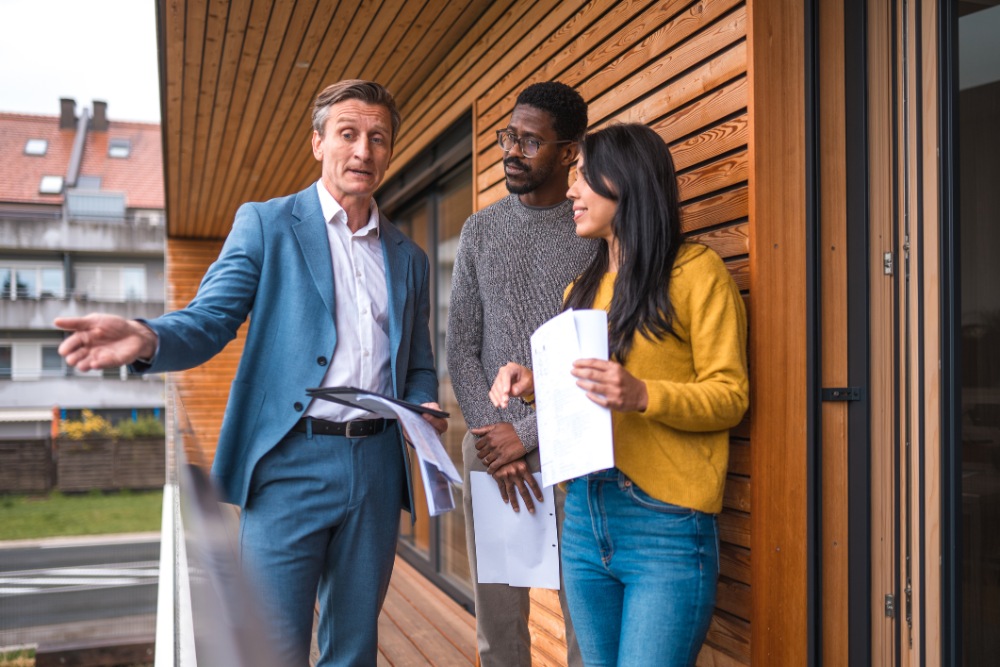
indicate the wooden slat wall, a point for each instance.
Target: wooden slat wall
{"x":679,"y":67}
{"x":204,"y":390}
{"x":778,"y":334}
{"x":833,"y":337}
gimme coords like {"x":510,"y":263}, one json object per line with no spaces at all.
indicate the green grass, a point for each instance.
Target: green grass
{"x":18,"y":658}
{"x":94,"y":513}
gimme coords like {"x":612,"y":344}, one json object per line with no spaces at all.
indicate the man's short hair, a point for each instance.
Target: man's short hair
{"x":565,"y":105}
{"x":368,"y":92}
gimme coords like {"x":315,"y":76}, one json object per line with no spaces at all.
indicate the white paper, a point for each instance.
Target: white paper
{"x":516,"y":548}
{"x":574,"y":433}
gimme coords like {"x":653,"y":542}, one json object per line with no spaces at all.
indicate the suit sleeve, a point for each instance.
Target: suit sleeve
{"x":421,"y":375}
{"x":194,"y":334}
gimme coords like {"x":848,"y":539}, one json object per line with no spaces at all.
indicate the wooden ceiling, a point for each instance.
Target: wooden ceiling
{"x":238,"y":78}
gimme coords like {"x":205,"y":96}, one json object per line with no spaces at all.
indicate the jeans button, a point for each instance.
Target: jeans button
{"x":628,"y":482}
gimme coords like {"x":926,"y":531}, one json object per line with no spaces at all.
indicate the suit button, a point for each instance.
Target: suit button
{"x":321,"y":361}
{"x":298,"y":406}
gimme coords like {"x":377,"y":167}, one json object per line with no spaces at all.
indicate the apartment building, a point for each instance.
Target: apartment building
{"x":81,"y":230}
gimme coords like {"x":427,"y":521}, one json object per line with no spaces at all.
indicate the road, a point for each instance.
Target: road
{"x":50,"y":591}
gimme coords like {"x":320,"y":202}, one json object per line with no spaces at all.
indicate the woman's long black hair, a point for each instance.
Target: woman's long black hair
{"x":631,"y":165}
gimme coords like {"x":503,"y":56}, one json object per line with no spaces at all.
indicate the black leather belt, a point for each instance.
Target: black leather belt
{"x":356,"y":428}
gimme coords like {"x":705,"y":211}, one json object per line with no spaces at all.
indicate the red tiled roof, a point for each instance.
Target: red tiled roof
{"x":21,"y":174}
{"x":139,"y":176}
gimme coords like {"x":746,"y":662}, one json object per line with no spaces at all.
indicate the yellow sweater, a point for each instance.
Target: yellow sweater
{"x":678,"y":449}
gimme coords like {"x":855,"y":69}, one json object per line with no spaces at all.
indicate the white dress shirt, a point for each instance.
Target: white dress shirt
{"x":361,"y":358}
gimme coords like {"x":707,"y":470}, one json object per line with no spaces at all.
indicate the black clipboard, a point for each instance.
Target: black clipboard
{"x":338,"y":395}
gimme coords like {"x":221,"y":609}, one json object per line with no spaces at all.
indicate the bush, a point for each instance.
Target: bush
{"x":146,"y":426}
{"x":92,"y":426}
{"x":88,"y":426}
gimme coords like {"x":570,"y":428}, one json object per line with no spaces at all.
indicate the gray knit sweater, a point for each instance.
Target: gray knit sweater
{"x":512,"y":266}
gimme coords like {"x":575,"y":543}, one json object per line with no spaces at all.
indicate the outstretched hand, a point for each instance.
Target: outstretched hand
{"x":607,"y":383}
{"x":104,"y":341}
{"x":512,"y":380}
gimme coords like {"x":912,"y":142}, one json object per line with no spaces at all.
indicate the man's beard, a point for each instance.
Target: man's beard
{"x":533,"y":177}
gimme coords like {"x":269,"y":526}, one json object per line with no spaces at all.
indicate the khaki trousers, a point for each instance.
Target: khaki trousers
{"x":502,"y":610}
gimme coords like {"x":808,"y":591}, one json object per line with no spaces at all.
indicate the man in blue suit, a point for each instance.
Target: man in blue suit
{"x":336,"y":295}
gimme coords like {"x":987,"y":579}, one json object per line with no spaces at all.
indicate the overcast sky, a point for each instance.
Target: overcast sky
{"x":84,"y":49}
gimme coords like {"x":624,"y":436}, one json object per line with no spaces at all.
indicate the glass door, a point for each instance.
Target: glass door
{"x":433,"y":217}
{"x":977,"y":203}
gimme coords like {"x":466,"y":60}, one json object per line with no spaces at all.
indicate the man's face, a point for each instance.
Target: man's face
{"x":524,"y":174}
{"x":355,"y":149}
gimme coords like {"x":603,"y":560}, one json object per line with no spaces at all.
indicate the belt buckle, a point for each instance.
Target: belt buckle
{"x":349,"y":431}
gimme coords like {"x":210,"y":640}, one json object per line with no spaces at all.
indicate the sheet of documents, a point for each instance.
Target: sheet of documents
{"x":436,"y":467}
{"x":574,"y":433}
{"x":516,"y":548}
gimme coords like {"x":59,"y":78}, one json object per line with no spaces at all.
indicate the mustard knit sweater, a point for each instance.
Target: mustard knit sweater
{"x":678,"y":449}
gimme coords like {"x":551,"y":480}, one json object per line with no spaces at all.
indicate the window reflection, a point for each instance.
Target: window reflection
{"x":434,"y":219}
{"x":979,"y":210}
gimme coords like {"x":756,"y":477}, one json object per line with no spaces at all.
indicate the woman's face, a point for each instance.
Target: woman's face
{"x":591,"y":212}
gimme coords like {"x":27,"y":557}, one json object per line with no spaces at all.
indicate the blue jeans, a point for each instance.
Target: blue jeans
{"x":640,"y":574}
{"x":321,"y":523}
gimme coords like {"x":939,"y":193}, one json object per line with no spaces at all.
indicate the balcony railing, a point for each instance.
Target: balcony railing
{"x":138,"y":232}
{"x":37,"y":314}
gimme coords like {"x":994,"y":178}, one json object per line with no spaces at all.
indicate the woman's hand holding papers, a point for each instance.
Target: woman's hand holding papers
{"x":608,"y":384}
{"x":440,"y":425}
{"x":513,"y":380}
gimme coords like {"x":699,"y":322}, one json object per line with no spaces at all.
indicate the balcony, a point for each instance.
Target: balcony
{"x":131,"y":234}
{"x":73,"y":392}
{"x":37,"y":314}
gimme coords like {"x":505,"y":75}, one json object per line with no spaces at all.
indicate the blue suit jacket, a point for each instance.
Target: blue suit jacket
{"x":275,"y":268}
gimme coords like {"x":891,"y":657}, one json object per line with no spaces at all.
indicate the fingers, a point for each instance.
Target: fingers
{"x":439,"y":423}
{"x":70,"y":323}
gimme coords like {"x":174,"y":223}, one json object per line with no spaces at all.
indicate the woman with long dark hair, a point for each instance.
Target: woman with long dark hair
{"x":640,"y":540}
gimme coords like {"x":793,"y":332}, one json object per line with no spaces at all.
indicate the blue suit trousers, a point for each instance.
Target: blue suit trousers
{"x":321,"y":519}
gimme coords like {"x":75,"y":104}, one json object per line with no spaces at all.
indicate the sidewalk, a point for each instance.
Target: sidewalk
{"x":81,"y":540}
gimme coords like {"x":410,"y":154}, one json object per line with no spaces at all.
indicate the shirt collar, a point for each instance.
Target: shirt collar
{"x":334,"y":212}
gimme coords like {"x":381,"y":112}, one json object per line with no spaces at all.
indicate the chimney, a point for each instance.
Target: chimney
{"x":99,"y":123}
{"x":67,"y":113}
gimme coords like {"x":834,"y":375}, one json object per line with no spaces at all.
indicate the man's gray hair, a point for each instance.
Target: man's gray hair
{"x":368,"y":92}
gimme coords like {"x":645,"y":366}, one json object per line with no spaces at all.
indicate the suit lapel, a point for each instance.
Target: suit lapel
{"x":310,"y":232}
{"x":397,"y":266}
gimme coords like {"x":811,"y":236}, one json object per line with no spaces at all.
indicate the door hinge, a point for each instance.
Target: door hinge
{"x":887,"y":263}
{"x":890,"y":606}
{"x":841,"y":393}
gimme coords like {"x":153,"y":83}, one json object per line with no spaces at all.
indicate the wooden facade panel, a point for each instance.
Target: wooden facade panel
{"x":730,"y":241}
{"x":715,"y":209}
{"x":567,"y":65}
{"x":607,"y":90}
{"x":734,"y":562}
{"x":730,"y":635}
{"x":203,"y":391}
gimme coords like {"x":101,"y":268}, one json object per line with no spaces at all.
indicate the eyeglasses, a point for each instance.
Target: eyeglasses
{"x":529,"y":147}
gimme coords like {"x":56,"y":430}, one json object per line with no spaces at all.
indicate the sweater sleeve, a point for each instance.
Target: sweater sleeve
{"x":465,"y":338}
{"x":718,"y":395}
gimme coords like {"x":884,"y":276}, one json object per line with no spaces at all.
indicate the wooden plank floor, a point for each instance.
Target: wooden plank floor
{"x":420,"y":626}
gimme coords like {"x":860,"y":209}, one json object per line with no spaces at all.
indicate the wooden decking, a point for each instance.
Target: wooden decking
{"x":420,"y":626}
